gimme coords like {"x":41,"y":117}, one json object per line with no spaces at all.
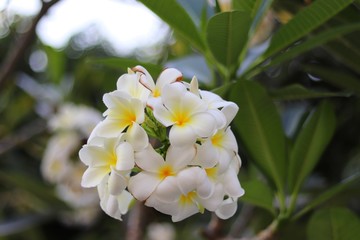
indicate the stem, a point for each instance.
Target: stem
{"x":214,"y":230}
{"x":18,"y":50}
{"x":137,"y":222}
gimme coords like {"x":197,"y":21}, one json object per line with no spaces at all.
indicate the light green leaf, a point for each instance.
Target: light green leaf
{"x":124,"y":63}
{"x":304,"y":22}
{"x":334,"y":224}
{"x":259,"y":126}
{"x":176,"y":16}
{"x":227,"y":34}
{"x":310,"y":144}
{"x":259,"y":194}
{"x":328,"y":194}
{"x":298,"y":92}
{"x":337,"y":78}
{"x":55,"y":65}
{"x":313,"y":42}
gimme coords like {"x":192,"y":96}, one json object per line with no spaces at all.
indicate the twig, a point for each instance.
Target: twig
{"x":137,"y":222}
{"x":17,"y":51}
{"x":242,"y":221}
{"x":214,"y":230}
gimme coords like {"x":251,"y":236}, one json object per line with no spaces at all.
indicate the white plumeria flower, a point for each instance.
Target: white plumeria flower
{"x":130,"y":84}
{"x":155,"y":169}
{"x":186,"y":114}
{"x":227,"y":208}
{"x":223,"y":142}
{"x":56,"y":164}
{"x":123,"y":111}
{"x":113,"y":205}
{"x":180,"y":196}
{"x":107,"y":156}
{"x":169,"y":75}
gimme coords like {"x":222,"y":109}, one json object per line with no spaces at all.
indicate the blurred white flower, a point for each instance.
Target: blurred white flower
{"x":161,"y":231}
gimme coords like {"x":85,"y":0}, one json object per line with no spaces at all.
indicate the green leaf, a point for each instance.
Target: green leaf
{"x":259,"y":194}
{"x":125,"y":63}
{"x":227,"y":34}
{"x":56,"y":64}
{"x":313,"y":42}
{"x":337,"y":78}
{"x":328,"y":194}
{"x":176,"y":16}
{"x":334,"y":224}
{"x":259,"y":126}
{"x":304,"y":22}
{"x":298,"y":92}
{"x":310,"y":144}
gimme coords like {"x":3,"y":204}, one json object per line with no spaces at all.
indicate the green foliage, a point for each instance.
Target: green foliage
{"x":334,"y":224}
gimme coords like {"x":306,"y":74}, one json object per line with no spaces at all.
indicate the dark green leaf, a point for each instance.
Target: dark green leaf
{"x":313,"y":42}
{"x":329,"y":193}
{"x":304,"y":22}
{"x":124,"y":63}
{"x":227,"y":34}
{"x":259,"y":126}
{"x":259,"y":194}
{"x":334,"y":224}
{"x":337,"y":78}
{"x":173,"y":14}
{"x":298,"y":92}
{"x":310,"y":144}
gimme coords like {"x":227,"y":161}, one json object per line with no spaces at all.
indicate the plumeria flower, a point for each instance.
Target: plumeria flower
{"x":184,"y":197}
{"x":113,"y":205}
{"x":107,"y":156}
{"x":155,"y":170}
{"x":169,"y":75}
{"x":130,"y":84}
{"x":186,"y":114}
{"x":123,"y":111}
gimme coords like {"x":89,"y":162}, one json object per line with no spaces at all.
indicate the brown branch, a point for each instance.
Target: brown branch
{"x":18,"y":50}
{"x":214,"y":231}
{"x":137,"y":222}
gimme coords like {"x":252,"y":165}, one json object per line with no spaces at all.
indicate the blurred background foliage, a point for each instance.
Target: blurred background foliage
{"x":293,"y":68}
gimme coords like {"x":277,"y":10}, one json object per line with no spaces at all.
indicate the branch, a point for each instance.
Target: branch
{"x":17,"y":51}
{"x":214,"y":230}
{"x":137,"y":222}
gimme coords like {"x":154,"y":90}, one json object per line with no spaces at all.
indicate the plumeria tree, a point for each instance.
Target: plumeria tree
{"x":243,"y":126}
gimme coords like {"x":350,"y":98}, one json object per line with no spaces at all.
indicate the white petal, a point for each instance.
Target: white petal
{"x":172,"y":93}
{"x":230,"y":112}
{"x":168,"y":191}
{"x":169,"y":75}
{"x":148,"y":159}
{"x":125,"y":156}
{"x":187,"y":179}
{"x":219,"y":117}
{"x":213,"y":202}
{"x":143,"y":184}
{"x":180,"y":157}
{"x":185,"y":211}
{"x":203,"y":124}
{"x":231,"y":183}
{"x":166,"y":208}
{"x":111,"y":128}
{"x":138,"y":108}
{"x":163,"y":115}
{"x":137,"y":136}
{"x":194,"y":86}
{"x":93,"y":155}
{"x":182,"y":136}
{"x":145,"y":77}
{"x":93,"y":176}
{"x":227,"y":209}
{"x":229,"y":140}
{"x":117,"y":182}
{"x":124,"y":199}
{"x":206,"y":156}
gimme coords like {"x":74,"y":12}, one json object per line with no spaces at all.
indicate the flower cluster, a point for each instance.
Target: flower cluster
{"x":168,"y":144}
{"x":61,"y":166}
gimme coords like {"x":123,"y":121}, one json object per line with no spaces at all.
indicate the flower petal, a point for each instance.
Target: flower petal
{"x":231,"y":183}
{"x":182,"y":136}
{"x":187,"y":179}
{"x":137,"y":136}
{"x":169,"y":75}
{"x":227,"y":208}
{"x":163,"y":115}
{"x":148,"y":159}
{"x":180,"y":157}
{"x":185,"y":211}
{"x":117,"y":182}
{"x":142,"y":185}
{"x":213,"y":202}
{"x":93,"y":176}
{"x":203,"y":124}
{"x":125,"y":156}
{"x":93,"y":155}
{"x":168,"y":191}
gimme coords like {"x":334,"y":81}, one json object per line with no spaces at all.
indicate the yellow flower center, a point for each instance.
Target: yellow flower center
{"x":112,"y":160}
{"x":217,"y":139}
{"x":187,"y":199}
{"x":156,"y":93}
{"x":212,"y":172}
{"x":165,"y":171}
